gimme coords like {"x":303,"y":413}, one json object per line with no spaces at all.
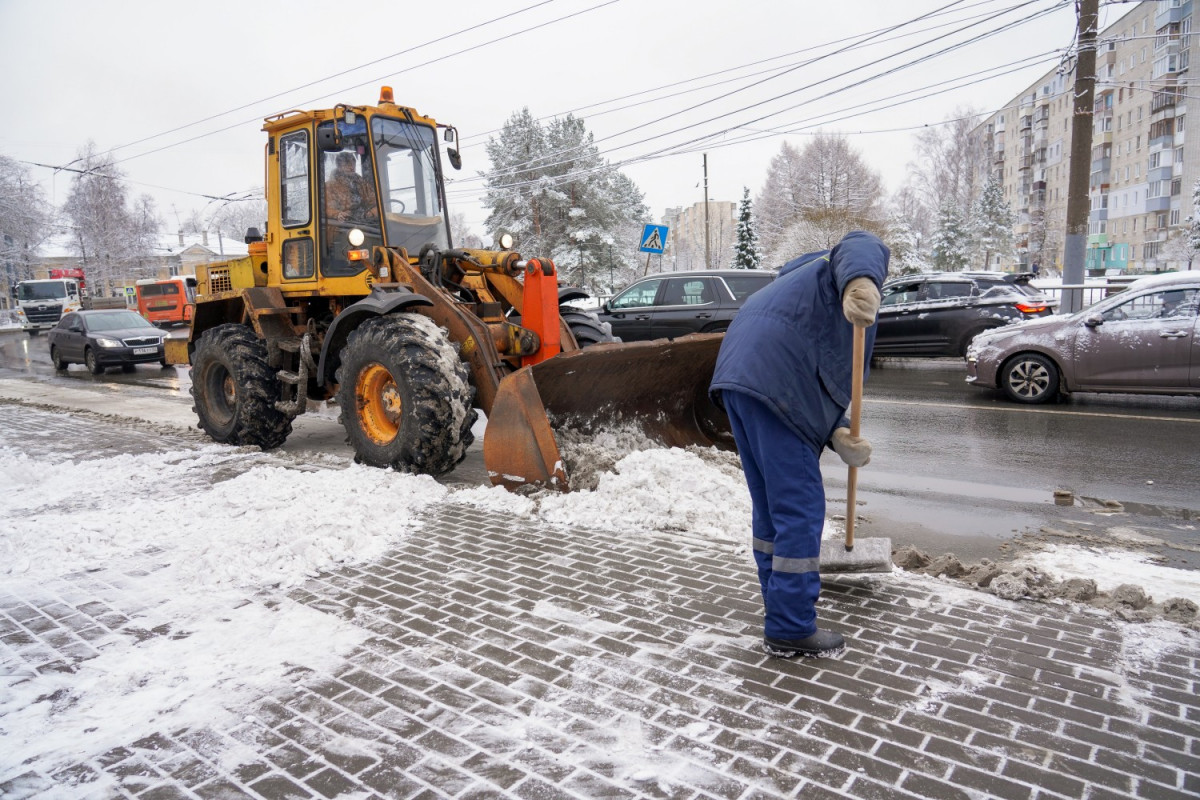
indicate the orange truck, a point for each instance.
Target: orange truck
{"x":167,"y":301}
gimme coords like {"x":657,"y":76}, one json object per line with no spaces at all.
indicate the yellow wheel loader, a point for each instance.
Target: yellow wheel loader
{"x":355,"y":293}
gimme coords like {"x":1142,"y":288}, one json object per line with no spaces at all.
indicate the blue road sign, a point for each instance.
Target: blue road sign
{"x":654,"y":239}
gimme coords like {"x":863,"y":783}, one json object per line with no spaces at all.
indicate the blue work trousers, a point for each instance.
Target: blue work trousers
{"x":784,"y":476}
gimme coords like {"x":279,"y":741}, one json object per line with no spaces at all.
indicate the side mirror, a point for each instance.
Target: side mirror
{"x":329,"y":138}
{"x":1094,"y":321}
{"x":455,"y":158}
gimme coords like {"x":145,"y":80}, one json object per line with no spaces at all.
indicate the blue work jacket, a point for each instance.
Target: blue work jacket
{"x":790,"y":345}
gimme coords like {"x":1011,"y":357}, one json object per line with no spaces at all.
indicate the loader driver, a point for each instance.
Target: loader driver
{"x":349,"y":197}
{"x":784,"y":376}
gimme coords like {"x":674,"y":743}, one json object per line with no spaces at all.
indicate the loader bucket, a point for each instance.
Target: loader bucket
{"x":661,"y":386}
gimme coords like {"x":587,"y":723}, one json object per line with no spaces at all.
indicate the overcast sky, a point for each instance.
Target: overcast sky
{"x":180,"y":89}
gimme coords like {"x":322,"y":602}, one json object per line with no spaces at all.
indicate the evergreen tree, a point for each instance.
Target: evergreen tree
{"x":560,"y":199}
{"x":993,"y":223}
{"x":1194,"y":222}
{"x":951,"y":240}
{"x":745,"y":248}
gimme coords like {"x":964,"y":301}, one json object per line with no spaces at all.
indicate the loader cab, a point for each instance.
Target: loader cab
{"x":348,"y":180}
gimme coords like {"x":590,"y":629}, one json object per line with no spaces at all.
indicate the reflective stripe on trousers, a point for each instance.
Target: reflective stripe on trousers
{"x":784,"y":477}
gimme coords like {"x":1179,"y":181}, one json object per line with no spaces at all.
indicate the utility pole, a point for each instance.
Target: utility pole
{"x":707,"y":260}
{"x":1078,"y":202}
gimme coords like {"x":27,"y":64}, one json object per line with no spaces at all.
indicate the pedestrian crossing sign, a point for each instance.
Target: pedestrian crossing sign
{"x":654,"y":239}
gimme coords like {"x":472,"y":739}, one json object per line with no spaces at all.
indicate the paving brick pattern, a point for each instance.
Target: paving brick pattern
{"x":505,"y":659}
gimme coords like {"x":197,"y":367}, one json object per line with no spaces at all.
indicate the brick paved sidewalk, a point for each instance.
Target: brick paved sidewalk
{"x":510,"y":660}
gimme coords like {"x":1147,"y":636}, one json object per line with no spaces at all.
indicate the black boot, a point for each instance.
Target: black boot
{"x":821,"y":643}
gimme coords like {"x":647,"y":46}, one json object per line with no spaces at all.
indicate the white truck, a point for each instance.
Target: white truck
{"x":40,"y":304}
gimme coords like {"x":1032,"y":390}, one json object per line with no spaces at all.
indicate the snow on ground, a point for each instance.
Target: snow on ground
{"x":1111,"y":570}
{"x":229,"y":531}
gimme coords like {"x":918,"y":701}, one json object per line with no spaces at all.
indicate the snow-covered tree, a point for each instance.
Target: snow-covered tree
{"x":950,"y":244}
{"x":821,"y":192}
{"x":992,"y":223}
{"x":905,"y":246}
{"x":745,"y":247}
{"x":951,"y":163}
{"x":25,"y":222}
{"x":1193,"y":231}
{"x":560,"y":199}
{"x":461,"y":233}
{"x":113,"y":240}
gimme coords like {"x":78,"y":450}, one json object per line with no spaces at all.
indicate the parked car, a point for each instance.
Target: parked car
{"x":105,"y":338}
{"x":671,"y":304}
{"x":1144,"y":339}
{"x":937,"y":314}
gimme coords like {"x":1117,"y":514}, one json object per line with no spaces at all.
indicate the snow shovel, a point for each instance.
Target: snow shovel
{"x":866,"y":555}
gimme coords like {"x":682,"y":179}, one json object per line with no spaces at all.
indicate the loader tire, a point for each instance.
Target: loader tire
{"x":405,"y":396}
{"x":235,"y":389}
{"x":587,"y":327}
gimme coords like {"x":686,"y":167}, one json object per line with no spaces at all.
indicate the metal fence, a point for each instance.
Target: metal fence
{"x":1093,"y":290}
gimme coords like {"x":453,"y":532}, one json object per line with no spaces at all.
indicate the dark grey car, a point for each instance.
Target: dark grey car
{"x":672,"y":304}
{"x":105,"y":338}
{"x":938,"y":314}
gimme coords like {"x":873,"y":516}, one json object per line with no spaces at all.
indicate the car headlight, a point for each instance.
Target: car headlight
{"x":106,"y":342}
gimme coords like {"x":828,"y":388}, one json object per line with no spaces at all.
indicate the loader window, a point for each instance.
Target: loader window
{"x":409,"y":184}
{"x":348,"y":202}
{"x":295,"y":188}
{"x":298,"y":259}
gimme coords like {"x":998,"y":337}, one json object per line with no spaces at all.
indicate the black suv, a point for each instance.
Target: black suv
{"x":671,"y":304}
{"x":937,"y":314}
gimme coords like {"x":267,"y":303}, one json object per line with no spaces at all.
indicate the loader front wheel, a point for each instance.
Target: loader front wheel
{"x":235,"y":389}
{"x":587,"y":327}
{"x":405,"y":396}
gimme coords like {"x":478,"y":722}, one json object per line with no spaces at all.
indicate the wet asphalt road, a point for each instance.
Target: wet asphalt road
{"x":955,"y":469}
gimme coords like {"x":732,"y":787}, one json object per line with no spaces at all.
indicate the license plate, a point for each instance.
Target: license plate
{"x":143,"y":351}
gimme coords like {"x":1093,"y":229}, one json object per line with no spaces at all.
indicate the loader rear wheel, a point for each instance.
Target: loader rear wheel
{"x":405,"y":396}
{"x":235,"y":389}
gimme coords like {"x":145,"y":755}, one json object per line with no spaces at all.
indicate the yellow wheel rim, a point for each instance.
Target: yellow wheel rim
{"x":379,"y":406}
{"x":229,"y":391}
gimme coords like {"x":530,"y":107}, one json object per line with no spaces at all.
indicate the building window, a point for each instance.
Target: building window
{"x":1174,"y":216}
{"x":1176,"y":186}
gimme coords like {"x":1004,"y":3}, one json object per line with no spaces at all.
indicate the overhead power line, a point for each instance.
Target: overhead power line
{"x":684,"y":146}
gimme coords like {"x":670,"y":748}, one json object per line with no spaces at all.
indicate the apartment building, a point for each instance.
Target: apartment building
{"x":1142,"y":170}
{"x":686,"y":242}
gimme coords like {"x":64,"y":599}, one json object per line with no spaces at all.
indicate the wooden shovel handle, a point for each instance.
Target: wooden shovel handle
{"x":856,"y":392}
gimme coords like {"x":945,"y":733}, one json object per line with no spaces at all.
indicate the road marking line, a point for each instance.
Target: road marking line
{"x":1030,"y":410}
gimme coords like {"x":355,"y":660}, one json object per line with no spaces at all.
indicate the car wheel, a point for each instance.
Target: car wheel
{"x":1029,"y":378}
{"x":94,"y":366}
{"x":60,"y":363}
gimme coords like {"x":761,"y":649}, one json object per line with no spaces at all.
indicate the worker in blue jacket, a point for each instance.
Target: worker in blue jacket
{"x":783,"y":376}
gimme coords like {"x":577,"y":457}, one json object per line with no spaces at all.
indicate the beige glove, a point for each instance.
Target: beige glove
{"x":860,"y":302}
{"x":854,"y":450}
